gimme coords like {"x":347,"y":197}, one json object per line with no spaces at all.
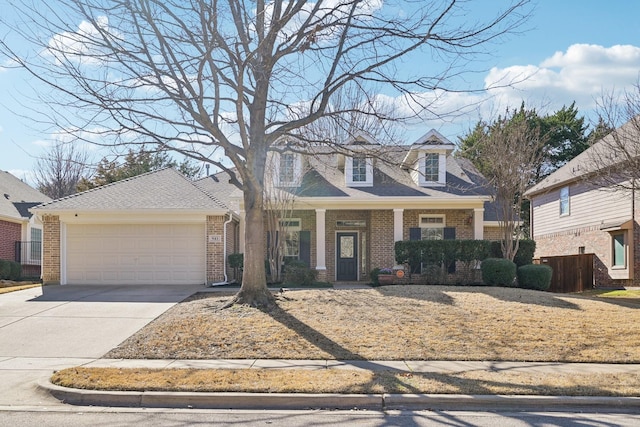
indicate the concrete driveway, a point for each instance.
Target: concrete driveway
{"x":49,"y":328}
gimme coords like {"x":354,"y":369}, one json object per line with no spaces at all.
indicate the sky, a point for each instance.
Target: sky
{"x":570,"y":50}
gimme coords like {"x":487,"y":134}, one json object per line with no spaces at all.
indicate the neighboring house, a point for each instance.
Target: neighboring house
{"x":20,"y":234}
{"x":573,"y":212}
{"x":347,"y":212}
{"x":156,"y":228}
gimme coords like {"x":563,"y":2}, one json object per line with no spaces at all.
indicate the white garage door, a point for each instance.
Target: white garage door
{"x":149,"y":254}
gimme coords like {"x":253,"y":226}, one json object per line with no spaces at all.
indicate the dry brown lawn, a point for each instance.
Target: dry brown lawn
{"x":397,"y":323}
{"x":347,"y":381}
{"x":7,"y":286}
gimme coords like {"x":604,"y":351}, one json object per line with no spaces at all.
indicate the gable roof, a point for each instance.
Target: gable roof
{"x":219,"y":186}
{"x":16,"y":197}
{"x":602,"y":154}
{"x":165,"y":189}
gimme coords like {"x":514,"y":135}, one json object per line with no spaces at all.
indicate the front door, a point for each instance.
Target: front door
{"x":347,"y":257}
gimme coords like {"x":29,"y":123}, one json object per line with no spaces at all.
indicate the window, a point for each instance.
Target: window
{"x":432,"y":227}
{"x":291,"y":230}
{"x":351,"y":223}
{"x":359,"y":171}
{"x":619,"y":250}
{"x":36,"y":244}
{"x":287,"y":168}
{"x":564,"y":201}
{"x":431,"y":167}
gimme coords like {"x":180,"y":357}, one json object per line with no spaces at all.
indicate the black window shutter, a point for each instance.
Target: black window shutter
{"x":305,"y":247}
{"x":449,"y":233}
{"x":415,"y":233}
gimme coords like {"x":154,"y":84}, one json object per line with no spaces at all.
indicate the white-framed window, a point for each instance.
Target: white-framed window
{"x":564,"y":201}
{"x":36,"y":244}
{"x":289,"y":169}
{"x":359,"y":171}
{"x":432,"y":169}
{"x":291,"y":243}
{"x":432,"y":226}
{"x":619,"y":249}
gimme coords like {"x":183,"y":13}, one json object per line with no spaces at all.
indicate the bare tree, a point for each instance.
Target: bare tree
{"x":511,"y":149}
{"x":613,"y":161}
{"x":222,"y":81}
{"x":59,"y":171}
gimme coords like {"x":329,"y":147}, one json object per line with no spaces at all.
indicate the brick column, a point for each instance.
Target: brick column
{"x":215,"y":248}
{"x":51,"y":250}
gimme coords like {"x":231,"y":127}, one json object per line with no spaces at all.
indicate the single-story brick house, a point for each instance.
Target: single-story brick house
{"x":347,"y":213}
{"x":20,"y":234}
{"x":575,"y":211}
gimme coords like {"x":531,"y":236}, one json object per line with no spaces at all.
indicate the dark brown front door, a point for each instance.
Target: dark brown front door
{"x":347,"y":257}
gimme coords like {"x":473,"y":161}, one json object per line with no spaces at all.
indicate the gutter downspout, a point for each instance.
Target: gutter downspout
{"x":224,"y":253}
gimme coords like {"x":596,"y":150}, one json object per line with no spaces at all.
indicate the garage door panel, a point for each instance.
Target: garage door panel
{"x":135,"y":254}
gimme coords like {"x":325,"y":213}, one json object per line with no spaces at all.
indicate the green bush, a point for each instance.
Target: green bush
{"x":498,"y":272}
{"x":373,"y":274}
{"x":524,"y":256}
{"x":16,"y":270}
{"x":535,"y":276}
{"x":236,"y":260}
{"x":298,"y":273}
{"x":5,"y":269}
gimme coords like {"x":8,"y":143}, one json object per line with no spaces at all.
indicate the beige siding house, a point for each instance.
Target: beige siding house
{"x":572,"y":212}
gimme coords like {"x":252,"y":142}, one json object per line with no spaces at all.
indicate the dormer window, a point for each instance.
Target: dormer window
{"x":359,"y":171}
{"x":432,"y":169}
{"x":289,"y":170}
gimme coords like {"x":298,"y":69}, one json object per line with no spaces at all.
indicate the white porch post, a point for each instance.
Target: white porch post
{"x":241,"y":226}
{"x":478,"y":223}
{"x":397,"y":224}
{"x":321,"y":263}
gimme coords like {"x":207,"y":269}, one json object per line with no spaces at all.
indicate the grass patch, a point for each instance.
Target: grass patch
{"x":6,"y":287}
{"x":623,"y":293}
{"x":396,"y":323}
{"x":347,"y":381}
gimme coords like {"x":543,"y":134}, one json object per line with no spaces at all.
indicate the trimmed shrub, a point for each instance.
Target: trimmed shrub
{"x":298,"y":273}
{"x":524,"y":256}
{"x":236,"y":260}
{"x":16,"y":270}
{"x":535,"y":276}
{"x":373,"y":274}
{"x":498,"y":272}
{"x":5,"y":269}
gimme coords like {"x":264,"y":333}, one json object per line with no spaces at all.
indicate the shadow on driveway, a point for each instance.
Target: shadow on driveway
{"x":118,"y":293}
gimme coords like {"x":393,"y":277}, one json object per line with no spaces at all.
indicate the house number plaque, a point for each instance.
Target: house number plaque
{"x":215,"y":238}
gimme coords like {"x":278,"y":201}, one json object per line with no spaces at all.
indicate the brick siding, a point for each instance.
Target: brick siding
{"x":10,"y":233}
{"x":51,"y":250}
{"x":215,"y":250}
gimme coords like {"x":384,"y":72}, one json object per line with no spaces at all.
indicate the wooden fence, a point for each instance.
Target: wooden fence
{"x":571,"y":273}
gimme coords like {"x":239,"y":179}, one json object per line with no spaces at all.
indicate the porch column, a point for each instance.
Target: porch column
{"x":397,"y":224}
{"x":478,"y":223}
{"x":241,"y":231}
{"x":321,"y":263}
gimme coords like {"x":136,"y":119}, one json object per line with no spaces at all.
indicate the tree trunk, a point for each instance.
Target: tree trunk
{"x":254,"y":291}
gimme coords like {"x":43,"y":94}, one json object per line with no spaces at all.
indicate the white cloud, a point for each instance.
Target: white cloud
{"x":85,"y":45}
{"x":580,"y":74}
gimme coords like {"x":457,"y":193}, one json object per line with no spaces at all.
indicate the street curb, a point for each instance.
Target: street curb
{"x":211,"y":400}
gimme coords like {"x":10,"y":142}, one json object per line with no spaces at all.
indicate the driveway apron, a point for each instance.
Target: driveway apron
{"x":53,"y":327}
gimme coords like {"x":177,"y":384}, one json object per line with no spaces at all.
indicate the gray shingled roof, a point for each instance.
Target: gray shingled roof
{"x":159,"y":190}
{"x":218,"y":185}
{"x":15,"y":195}
{"x":599,"y":156}
{"x":325,"y":179}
